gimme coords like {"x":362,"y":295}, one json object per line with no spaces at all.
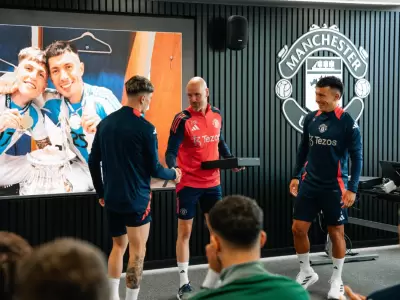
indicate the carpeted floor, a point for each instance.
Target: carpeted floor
{"x":363,"y":277}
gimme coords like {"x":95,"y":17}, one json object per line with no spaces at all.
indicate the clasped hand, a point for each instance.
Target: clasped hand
{"x":348,"y":199}
{"x":8,"y":85}
{"x":212,"y":258}
{"x":10,"y":118}
{"x":294,"y":187}
{"x":90,"y":122}
{"x":178,"y":175}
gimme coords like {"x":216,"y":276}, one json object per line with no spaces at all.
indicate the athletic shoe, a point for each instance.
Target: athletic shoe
{"x":337,"y":289}
{"x":307,"y":279}
{"x":184,"y":289}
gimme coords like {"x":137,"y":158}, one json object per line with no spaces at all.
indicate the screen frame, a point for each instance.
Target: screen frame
{"x":183,"y":25}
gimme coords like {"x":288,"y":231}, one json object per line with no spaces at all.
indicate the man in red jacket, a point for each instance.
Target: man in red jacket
{"x":195,"y":136}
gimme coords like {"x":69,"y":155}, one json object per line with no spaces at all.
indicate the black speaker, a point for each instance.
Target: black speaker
{"x":237,"y":32}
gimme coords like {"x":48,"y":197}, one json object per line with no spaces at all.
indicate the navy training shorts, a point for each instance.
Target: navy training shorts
{"x":188,"y":197}
{"x":309,"y":202}
{"x":117,"y":222}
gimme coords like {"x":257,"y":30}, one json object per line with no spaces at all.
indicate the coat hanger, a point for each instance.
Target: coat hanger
{"x":8,"y":63}
{"x":89,"y":34}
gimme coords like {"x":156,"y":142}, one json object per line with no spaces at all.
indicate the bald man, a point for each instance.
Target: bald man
{"x":195,"y":136}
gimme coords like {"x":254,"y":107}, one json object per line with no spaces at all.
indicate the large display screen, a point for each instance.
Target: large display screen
{"x":96,"y":74}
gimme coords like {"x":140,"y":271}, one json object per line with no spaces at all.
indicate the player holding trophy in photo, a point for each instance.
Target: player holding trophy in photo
{"x":72,"y":112}
{"x":19,"y":115}
{"x":81,"y":105}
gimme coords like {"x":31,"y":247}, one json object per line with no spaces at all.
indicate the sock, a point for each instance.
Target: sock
{"x":211,"y":279}
{"x":132,"y":294}
{"x":114,"y":288}
{"x":304,"y":260}
{"x":337,"y":268}
{"x":183,"y":273}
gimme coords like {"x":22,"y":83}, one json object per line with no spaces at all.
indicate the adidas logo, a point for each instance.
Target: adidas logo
{"x":335,"y":268}
{"x":182,"y":272}
{"x":306,"y":280}
{"x":195,"y":127}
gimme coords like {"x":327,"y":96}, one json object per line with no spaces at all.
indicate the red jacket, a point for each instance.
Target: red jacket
{"x":195,"y":138}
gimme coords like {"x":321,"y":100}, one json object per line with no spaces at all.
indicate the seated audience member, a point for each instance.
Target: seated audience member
{"x":233,"y":254}
{"x":13,"y":249}
{"x":390,"y":293}
{"x":65,"y":269}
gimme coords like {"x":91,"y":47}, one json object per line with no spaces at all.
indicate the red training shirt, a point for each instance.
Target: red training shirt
{"x":194,"y":138}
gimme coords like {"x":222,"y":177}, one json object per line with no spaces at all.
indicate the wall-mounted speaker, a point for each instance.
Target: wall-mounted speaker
{"x":237,"y":32}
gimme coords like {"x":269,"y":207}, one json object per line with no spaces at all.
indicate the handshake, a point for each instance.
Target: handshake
{"x":178,"y":173}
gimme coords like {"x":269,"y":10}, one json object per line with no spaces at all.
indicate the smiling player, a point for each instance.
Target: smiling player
{"x":81,"y":104}
{"x":19,"y":115}
{"x":330,"y":136}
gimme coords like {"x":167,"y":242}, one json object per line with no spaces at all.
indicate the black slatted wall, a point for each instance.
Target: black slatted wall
{"x":242,"y":84}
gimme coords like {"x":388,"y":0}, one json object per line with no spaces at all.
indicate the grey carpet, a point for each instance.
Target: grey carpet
{"x":363,"y":277}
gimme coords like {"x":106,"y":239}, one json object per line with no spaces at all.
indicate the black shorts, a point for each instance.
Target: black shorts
{"x":117,"y":222}
{"x":187,"y":198}
{"x":309,"y":202}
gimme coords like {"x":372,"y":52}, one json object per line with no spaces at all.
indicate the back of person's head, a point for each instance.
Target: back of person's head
{"x":65,"y":269}
{"x":13,"y":249}
{"x":138,"y":86}
{"x":237,"y":222}
{"x":332,"y":82}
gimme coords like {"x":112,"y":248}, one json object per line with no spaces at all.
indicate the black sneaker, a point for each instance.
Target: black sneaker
{"x":184,"y":289}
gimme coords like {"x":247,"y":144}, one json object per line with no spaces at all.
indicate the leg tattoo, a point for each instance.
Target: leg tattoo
{"x":134,"y":272}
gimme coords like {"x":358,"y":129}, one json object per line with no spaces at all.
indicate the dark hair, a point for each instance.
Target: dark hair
{"x":64,"y":269}
{"x":238,"y":220}
{"x":13,"y":249}
{"x":331,"y":81}
{"x":58,"y":48}
{"x":137,"y":85}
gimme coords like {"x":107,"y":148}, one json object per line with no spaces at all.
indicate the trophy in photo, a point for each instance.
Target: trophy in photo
{"x":49,"y":167}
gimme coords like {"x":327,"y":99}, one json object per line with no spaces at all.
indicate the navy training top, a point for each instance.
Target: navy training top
{"x":126,"y":145}
{"x":327,"y":142}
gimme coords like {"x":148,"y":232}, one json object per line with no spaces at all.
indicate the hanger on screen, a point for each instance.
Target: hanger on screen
{"x":89,"y":34}
{"x":8,"y":63}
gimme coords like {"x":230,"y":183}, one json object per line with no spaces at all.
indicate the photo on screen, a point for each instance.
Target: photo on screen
{"x":85,"y":83}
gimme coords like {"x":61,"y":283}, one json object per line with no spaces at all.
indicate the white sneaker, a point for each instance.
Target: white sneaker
{"x":307,"y":279}
{"x":337,"y":289}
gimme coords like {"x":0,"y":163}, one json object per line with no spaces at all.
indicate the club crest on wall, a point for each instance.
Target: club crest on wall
{"x":300,"y":53}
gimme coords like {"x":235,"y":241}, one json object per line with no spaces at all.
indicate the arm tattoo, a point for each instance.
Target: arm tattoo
{"x":43,"y":143}
{"x":134,"y":272}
